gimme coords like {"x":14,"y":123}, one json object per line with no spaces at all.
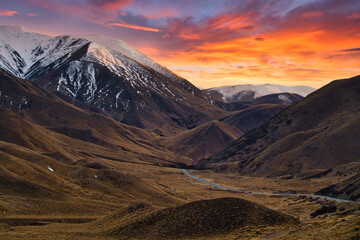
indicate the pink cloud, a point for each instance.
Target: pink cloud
{"x":136,"y":27}
{"x":122,"y":13}
{"x":111,"y":5}
{"x":7,"y":13}
{"x":96,"y":11}
{"x":312,"y":14}
{"x":32,"y":14}
{"x":160,"y":14}
{"x":355,"y":15}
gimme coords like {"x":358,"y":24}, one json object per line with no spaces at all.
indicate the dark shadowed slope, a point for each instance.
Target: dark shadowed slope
{"x":202,"y":141}
{"x":195,"y":219}
{"x":317,"y":133}
{"x":253,"y":116}
{"x":278,"y":98}
{"x":348,"y":189}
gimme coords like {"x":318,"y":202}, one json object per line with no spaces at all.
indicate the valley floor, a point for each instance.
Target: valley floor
{"x":343,"y":223}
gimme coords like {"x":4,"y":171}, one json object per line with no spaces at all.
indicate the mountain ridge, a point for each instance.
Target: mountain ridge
{"x":249,"y":92}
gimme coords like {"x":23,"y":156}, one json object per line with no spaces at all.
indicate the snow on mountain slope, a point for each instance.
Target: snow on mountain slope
{"x":284,"y":98}
{"x":16,"y":48}
{"x":128,"y":51}
{"x":79,"y":78}
{"x":22,"y":51}
{"x":57,"y":49}
{"x":249,"y":92}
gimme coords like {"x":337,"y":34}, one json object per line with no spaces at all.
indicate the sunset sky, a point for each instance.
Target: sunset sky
{"x":215,"y":42}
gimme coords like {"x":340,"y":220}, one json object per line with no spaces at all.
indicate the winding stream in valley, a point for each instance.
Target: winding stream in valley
{"x":260,"y":193}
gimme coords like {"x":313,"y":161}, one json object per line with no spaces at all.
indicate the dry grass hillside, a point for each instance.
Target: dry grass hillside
{"x":347,"y":189}
{"x":199,"y":219}
{"x":312,"y":135}
{"x":202,"y":141}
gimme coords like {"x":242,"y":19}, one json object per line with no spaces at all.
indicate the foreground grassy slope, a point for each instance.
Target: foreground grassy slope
{"x":196,"y":219}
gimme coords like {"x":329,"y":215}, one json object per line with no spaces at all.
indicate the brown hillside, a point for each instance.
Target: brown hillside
{"x":254,"y":116}
{"x":348,"y":189}
{"x":14,"y":129}
{"x":200,"y":218}
{"x":40,"y":107}
{"x":202,"y":141}
{"x":317,"y":133}
{"x":35,"y":184}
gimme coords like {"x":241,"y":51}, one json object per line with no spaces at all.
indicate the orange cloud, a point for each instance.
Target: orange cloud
{"x":136,"y":27}
{"x":229,"y":21}
{"x":312,"y":14}
{"x":237,"y":42}
{"x":7,"y":13}
{"x":283,"y":57}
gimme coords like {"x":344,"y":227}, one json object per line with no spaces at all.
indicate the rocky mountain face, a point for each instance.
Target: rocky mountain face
{"x":314,"y":134}
{"x":119,"y":81}
{"x":248,"y":92}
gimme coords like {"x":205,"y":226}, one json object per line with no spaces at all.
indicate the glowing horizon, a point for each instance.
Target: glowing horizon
{"x":216,"y":42}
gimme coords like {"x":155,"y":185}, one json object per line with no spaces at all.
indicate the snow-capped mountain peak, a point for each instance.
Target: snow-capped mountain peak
{"x":130,"y":52}
{"x":16,"y":48}
{"x":105,"y":73}
{"x":115,"y":44}
{"x":247,"y":92}
{"x":103,"y":55}
{"x":21,"y":51}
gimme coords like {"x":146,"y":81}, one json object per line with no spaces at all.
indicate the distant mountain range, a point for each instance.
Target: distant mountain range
{"x":248,"y":92}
